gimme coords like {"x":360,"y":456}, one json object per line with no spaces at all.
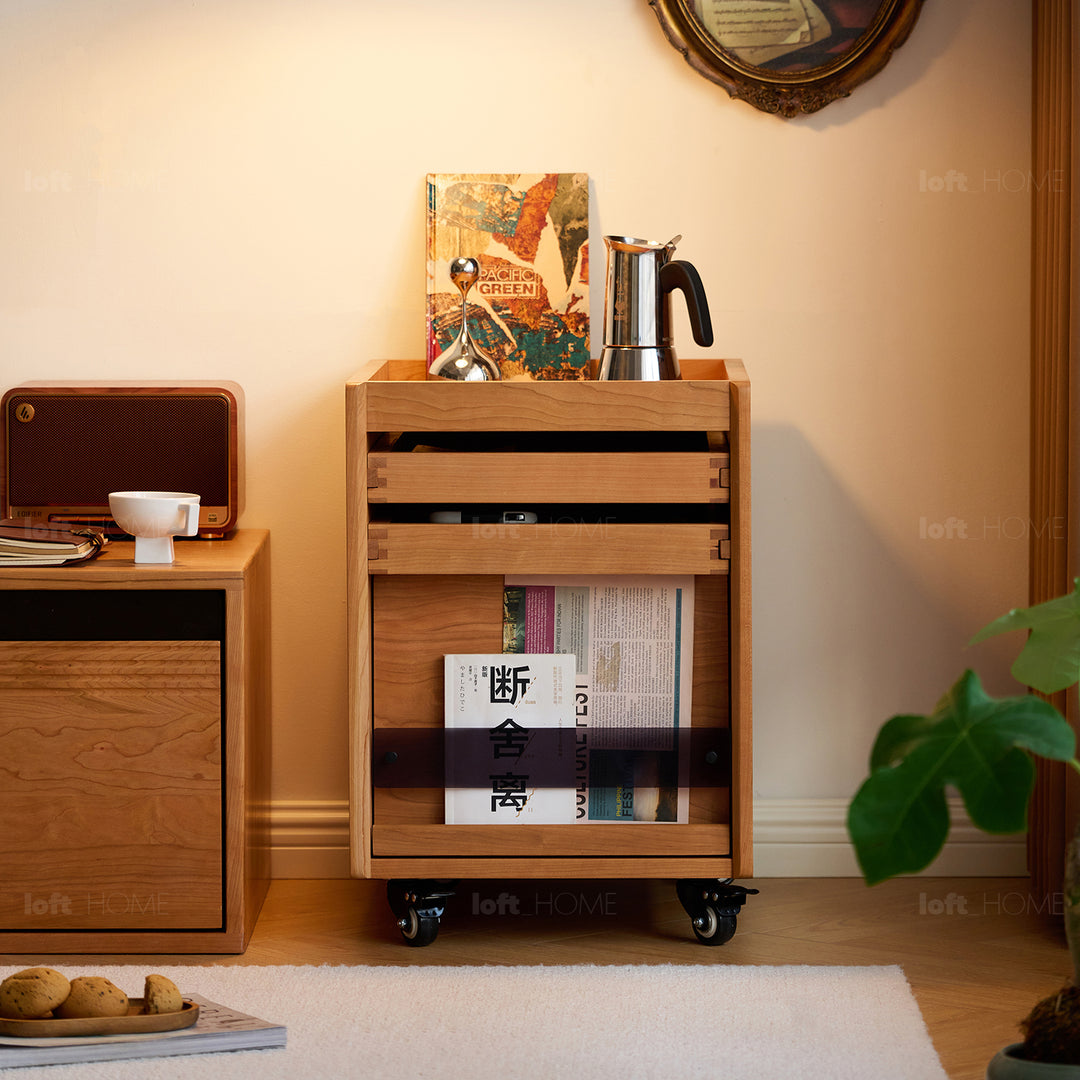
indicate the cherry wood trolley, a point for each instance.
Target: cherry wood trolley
{"x":665,"y":467}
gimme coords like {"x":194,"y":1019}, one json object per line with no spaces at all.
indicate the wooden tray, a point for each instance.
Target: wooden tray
{"x":136,"y":1022}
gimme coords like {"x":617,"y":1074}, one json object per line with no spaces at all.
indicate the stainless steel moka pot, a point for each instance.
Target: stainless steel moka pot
{"x":641,"y":276}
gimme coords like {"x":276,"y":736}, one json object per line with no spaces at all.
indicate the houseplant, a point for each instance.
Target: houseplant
{"x":983,"y":746}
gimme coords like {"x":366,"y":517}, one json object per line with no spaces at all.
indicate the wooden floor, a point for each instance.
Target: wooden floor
{"x":977,"y":952}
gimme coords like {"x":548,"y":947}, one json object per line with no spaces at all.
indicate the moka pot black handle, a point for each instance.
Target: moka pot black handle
{"x":683,"y":275}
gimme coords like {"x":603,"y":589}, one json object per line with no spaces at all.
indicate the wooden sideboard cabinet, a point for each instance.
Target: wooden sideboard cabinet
{"x":135,"y":750}
{"x":665,"y":467}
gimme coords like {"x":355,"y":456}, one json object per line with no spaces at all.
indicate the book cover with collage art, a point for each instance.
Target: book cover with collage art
{"x":529,"y":311}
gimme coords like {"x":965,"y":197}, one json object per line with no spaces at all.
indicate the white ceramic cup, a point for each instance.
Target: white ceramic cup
{"x":154,"y":518}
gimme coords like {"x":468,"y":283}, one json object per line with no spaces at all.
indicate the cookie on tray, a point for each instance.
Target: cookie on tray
{"x":33,"y":993}
{"x":161,"y":995}
{"x":93,"y":995}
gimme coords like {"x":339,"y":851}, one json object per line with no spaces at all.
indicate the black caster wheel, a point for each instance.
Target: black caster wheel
{"x":418,"y":905}
{"x":712,"y":928}
{"x":418,"y":929}
{"x":713,"y":907}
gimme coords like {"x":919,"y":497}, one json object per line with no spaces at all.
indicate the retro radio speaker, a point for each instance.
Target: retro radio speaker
{"x":66,"y":446}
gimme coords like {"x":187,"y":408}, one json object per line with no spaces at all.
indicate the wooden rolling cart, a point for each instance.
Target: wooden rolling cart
{"x":665,"y":468}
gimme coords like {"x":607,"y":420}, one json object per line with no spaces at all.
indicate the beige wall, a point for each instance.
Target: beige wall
{"x":234,"y":190}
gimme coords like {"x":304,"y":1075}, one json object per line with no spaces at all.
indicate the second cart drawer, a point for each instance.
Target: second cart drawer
{"x":572,"y":546}
{"x":549,"y":478}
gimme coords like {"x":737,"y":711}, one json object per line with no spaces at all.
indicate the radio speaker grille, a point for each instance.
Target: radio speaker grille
{"x":67,"y":449}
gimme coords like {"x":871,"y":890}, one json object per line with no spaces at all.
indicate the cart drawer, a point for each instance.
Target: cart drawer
{"x":549,"y":478}
{"x":570,"y":547}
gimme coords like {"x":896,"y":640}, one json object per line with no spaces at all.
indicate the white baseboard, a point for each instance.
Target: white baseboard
{"x":792,"y":838}
{"x":808,"y":838}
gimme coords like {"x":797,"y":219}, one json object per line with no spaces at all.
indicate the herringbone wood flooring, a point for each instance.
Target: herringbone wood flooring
{"x":977,"y":952}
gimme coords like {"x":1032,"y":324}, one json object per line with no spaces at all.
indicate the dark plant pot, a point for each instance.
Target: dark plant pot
{"x":1005,"y":1066}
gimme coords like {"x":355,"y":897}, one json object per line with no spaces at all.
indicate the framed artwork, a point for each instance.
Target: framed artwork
{"x":787,"y":57}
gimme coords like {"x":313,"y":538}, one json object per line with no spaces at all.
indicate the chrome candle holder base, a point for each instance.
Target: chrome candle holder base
{"x":463,"y":360}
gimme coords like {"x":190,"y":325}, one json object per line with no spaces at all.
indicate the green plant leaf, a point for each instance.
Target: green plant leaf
{"x":897,"y":737}
{"x":980,"y":723}
{"x":1050,"y":659}
{"x":898,"y":820}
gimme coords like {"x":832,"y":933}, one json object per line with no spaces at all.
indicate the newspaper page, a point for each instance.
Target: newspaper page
{"x":632,"y":640}
{"x":509,"y":739}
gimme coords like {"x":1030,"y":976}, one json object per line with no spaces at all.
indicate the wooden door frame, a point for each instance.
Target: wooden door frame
{"x":1055,"y":415}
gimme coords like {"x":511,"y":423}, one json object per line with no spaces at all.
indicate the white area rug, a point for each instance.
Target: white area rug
{"x":670,"y":1022}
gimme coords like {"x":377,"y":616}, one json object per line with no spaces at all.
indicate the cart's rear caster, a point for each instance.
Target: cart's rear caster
{"x":713,"y":907}
{"x":418,"y":906}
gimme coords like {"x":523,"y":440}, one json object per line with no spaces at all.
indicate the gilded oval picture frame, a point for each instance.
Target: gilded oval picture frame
{"x":787,"y":57}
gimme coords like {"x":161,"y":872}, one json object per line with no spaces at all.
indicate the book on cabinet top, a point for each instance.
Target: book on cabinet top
{"x":30,"y":542}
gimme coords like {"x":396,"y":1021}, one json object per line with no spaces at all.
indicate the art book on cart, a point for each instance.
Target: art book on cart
{"x":529,"y":311}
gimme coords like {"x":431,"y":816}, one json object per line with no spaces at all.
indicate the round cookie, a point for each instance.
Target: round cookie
{"x":93,"y":995}
{"x":161,"y":995}
{"x":32,"y":993}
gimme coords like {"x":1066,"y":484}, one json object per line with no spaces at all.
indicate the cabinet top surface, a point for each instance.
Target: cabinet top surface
{"x":195,"y":562}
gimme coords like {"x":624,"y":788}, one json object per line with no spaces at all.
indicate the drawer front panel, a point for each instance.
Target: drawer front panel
{"x":111,"y":791}
{"x":523,"y":479}
{"x":571,"y":547}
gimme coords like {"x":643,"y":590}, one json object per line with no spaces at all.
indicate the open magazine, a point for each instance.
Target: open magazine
{"x":632,"y":639}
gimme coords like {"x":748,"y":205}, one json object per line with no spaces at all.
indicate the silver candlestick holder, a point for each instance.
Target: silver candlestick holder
{"x":463,"y":360}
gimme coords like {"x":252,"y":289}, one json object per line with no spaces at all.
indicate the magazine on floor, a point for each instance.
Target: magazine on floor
{"x":219,"y":1028}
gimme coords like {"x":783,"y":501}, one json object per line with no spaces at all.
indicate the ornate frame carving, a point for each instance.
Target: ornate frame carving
{"x":788,"y":93}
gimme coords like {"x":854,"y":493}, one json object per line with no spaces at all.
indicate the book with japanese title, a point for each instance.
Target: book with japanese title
{"x":509,"y":735}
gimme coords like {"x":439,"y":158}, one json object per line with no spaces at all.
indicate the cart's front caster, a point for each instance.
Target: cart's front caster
{"x":713,"y":907}
{"x":418,"y":929}
{"x":419,"y":906}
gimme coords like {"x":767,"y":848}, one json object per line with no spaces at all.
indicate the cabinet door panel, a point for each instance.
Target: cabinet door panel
{"x":418,"y":619}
